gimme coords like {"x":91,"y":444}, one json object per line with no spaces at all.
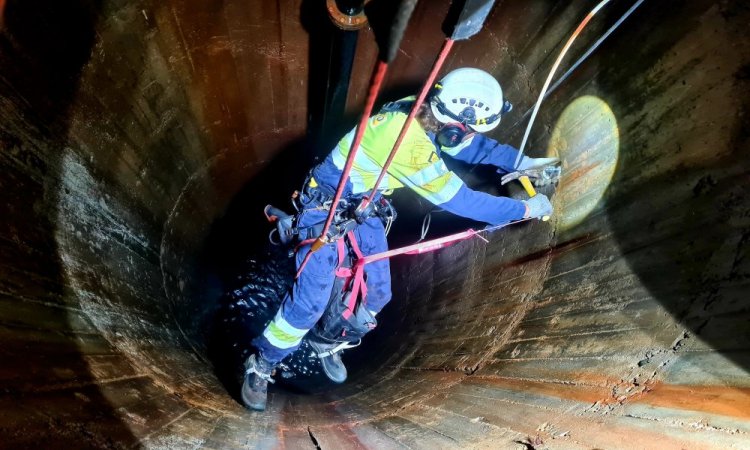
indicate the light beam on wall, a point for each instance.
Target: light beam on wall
{"x":586,"y":138}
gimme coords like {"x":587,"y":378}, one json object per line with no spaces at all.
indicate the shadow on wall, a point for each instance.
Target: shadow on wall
{"x":682,"y":221}
{"x":50,"y":397}
{"x":678,"y":202}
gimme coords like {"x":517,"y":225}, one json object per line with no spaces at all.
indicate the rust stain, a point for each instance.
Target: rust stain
{"x":722,"y":400}
{"x":577,"y":392}
{"x":578,"y":173}
{"x":219,"y":44}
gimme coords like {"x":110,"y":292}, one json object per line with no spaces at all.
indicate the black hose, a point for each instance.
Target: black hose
{"x":398,"y":28}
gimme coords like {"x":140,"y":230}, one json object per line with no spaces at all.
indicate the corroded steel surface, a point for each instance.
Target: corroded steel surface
{"x":128,"y":129}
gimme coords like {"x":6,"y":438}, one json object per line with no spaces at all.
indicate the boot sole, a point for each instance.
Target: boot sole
{"x":253,"y":407}
{"x":317,"y":348}
{"x":248,"y":404}
{"x":330,"y":377}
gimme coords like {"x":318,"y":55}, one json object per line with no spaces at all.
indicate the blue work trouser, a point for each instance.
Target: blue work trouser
{"x":304,"y":305}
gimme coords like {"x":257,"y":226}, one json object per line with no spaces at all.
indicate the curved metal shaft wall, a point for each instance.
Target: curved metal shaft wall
{"x":127,"y":128}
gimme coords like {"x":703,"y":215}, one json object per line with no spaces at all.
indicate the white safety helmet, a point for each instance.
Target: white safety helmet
{"x":470,"y":96}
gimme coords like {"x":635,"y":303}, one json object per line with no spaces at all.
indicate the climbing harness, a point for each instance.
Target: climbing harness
{"x":346,"y":216}
{"x":346,"y":317}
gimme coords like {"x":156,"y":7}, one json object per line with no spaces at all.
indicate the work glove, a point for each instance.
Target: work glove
{"x":534,"y":163}
{"x":539,"y":206}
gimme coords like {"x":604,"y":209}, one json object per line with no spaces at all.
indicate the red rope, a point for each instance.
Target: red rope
{"x":420,"y":247}
{"x":414,"y":109}
{"x":377,"y":80}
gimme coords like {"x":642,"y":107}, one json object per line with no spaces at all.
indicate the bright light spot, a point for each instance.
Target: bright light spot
{"x":586,"y":139}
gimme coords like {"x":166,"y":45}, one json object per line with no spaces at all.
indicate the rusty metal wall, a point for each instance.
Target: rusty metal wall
{"x":126,"y":128}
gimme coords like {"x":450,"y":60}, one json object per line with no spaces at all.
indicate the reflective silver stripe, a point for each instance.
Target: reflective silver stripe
{"x":281,"y":334}
{"x":429,"y":173}
{"x":339,"y":160}
{"x":447,"y":192}
{"x":453,"y":151}
{"x":342,"y":149}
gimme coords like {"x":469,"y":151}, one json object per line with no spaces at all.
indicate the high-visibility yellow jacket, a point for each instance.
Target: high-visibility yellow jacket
{"x":419,"y":166}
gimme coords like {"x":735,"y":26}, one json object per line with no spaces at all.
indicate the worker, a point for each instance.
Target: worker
{"x":465,"y":103}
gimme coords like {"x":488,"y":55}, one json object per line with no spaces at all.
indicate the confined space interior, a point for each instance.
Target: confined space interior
{"x":140,"y":140}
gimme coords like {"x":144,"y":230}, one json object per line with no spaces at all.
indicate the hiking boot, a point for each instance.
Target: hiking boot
{"x":333,"y":367}
{"x":255,"y":387}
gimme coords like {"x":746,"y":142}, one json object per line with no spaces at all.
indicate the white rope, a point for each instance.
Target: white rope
{"x":338,"y":348}
{"x":388,"y":223}
{"x":426,"y":222}
{"x":549,"y":78}
{"x":253,"y":369}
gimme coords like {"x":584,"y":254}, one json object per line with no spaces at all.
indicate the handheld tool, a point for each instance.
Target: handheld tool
{"x":541,"y":176}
